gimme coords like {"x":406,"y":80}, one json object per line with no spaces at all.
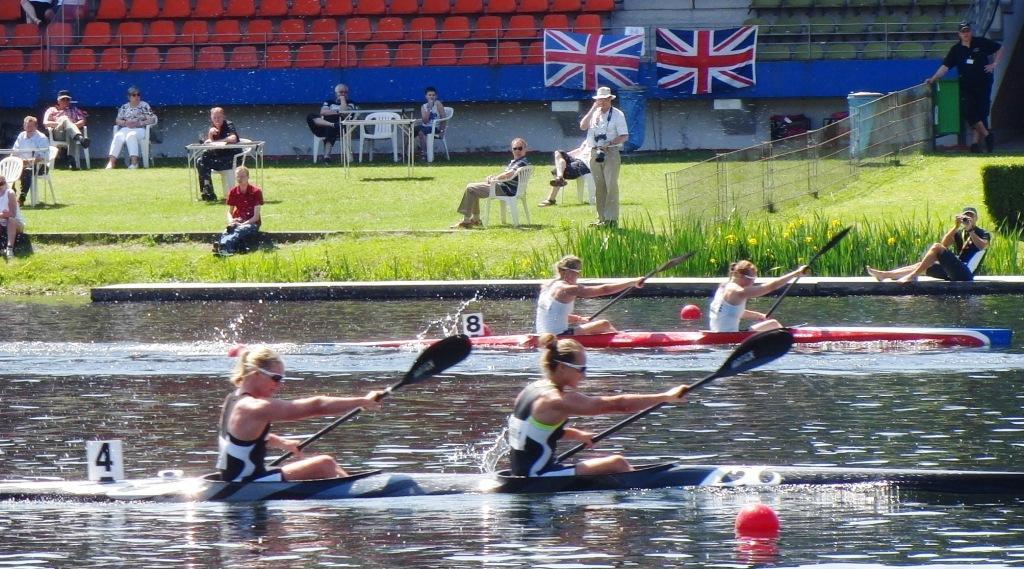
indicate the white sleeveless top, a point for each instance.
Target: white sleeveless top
{"x":725,"y":317}
{"x":552,"y":315}
{"x":5,"y":199}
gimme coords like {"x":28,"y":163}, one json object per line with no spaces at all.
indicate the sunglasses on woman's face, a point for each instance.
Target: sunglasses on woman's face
{"x":579,"y":368}
{"x":275,"y":377}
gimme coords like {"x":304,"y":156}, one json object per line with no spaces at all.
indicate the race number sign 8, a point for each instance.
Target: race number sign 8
{"x":473,"y":324}
{"x":105,"y":460}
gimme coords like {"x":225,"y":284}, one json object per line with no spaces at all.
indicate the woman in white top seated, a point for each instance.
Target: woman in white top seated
{"x":132,"y":117}
{"x":729,"y":305}
{"x":11,"y":219}
{"x":558,"y":297}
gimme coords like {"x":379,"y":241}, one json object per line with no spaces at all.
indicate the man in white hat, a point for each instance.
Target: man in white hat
{"x":66,"y":123}
{"x":606,"y":132}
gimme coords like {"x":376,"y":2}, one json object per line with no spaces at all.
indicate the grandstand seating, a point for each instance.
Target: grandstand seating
{"x":309,"y":55}
{"x":259,"y":31}
{"x":240,"y":9}
{"x":244,"y":57}
{"x":304,"y":8}
{"x":96,"y":33}
{"x":337,"y":8}
{"x":278,"y":57}
{"x":391,"y":28}
{"x":371,"y":7}
{"x":442,"y":54}
{"x":162,"y":32}
{"x":176,"y":9}
{"x":130,"y":33}
{"x":178,"y":57}
{"x":409,"y":55}
{"x":272,"y":8}
{"x":209,"y":57}
{"x":324,"y":30}
{"x":404,"y":7}
{"x":111,"y":10}
{"x":423,"y":28}
{"x":10,"y":12}
{"x":291,"y":31}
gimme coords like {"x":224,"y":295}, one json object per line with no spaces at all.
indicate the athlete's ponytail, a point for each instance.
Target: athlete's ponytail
{"x":554,"y":351}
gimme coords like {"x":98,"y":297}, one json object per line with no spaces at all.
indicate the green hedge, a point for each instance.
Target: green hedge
{"x":1003,"y":187}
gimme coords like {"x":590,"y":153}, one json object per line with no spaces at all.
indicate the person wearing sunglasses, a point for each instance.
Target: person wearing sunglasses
{"x":506,"y":183}
{"x":542,"y":409}
{"x":327,"y":123}
{"x":251,"y":408}
{"x":558,"y":299}
{"x":131,"y":121}
{"x":729,"y":305}
{"x":11,"y":220}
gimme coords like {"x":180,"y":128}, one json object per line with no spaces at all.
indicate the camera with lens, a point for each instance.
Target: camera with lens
{"x":963,"y":219}
{"x":598,"y":138}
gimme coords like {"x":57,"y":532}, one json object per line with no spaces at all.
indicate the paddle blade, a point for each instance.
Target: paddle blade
{"x":755,"y":351}
{"x":669,"y":264}
{"x":438,"y":357}
{"x":832,"y":243}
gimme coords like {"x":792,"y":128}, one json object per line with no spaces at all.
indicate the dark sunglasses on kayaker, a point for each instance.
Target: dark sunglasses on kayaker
{"x":275,"y":377}
{"x":579,"y":368}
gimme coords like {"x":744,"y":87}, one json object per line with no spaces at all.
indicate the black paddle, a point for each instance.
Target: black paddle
{"x":832,"y":243}
{"x":663,"y":267}
{"x":755,"y":351}
{"x":438,"y":357}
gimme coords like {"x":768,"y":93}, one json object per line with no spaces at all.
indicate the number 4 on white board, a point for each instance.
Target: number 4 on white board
{"x":105,"y":460}
{"x":473,"y":324}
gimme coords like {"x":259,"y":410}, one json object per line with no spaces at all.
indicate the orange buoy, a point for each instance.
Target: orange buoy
{"x":235,"y":350}
{"x":757,"y":520}
{"x":690,"y":312}
{"x":487,"y":330}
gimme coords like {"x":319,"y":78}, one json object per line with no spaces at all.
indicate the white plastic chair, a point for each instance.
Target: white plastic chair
{"x":438,"y":131}
{"x":227,"y":177}
{"x":11,"y":168}
{"x":76,"y":156}
{"x":51,"y":160}
{"x":381,"y":131}
{"x":144,"y":144}
{"x":586,"y":189}
{"x":512,"y":202}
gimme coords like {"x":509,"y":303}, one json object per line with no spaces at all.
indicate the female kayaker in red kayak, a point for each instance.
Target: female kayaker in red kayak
{"x":542,"y":409}
{"x":558,"y":297}
{"x":729,"y":305}
{"x":251,"y":408}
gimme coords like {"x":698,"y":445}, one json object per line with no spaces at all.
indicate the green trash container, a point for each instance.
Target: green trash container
{"x":947,"y":107}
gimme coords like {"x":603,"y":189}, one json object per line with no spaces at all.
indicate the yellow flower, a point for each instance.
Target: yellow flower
{"x":835,"y":223}
{"x":808,"y":239}
{"x":785,"y":235}
{"x":891,"y":241}
{"x":730,"y":239}
{"x":752,"y":241}
{"x":713,"y":261}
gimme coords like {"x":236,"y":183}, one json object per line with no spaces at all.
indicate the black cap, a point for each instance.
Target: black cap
{"x":963,"y":26}
{"x":63,"y":94}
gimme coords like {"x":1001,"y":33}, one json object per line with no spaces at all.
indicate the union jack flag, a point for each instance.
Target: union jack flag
{"x":581,"y":61}
{"x":702,"y":61}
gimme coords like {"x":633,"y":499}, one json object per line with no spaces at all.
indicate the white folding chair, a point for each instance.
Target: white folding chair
{"x":51,"y":160}
{"x":381,"y":131}
{"x":438,"y":131}
{"x":227,"y":177}
{"x":511,"y":202}
{"x":81,"y":151}
{"x":144,"y":144}
{"x":11,"y":168}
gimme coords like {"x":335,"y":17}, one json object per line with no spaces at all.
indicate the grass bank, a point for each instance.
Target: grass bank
{"x":897,"y":212}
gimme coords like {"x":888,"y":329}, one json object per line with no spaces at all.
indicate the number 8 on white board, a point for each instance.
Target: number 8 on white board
{"x":473,"y":324}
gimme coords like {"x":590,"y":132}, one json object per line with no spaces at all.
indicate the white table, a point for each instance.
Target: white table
{"x":403,"y":126}
{"x":252,"y":148}
{"x":33,"y":193}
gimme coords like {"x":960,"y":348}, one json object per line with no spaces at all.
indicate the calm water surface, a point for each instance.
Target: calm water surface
{"x":154,"y":375}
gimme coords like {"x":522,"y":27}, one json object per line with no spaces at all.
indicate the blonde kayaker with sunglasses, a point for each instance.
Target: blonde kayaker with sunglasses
{"x":558,"y":298}
{"x":250,"y":410}
{"x":729,"y":304}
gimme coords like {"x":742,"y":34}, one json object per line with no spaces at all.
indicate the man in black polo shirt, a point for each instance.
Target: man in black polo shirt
{"x":970,"y":56}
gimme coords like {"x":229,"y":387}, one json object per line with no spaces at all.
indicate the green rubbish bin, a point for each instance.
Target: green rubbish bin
{"x":947,"y":107}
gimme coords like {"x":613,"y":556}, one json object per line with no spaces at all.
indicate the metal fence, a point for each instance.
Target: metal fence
{"x":881,"y":131}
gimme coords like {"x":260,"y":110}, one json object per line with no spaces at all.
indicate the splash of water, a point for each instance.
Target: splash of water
{"x":449,"y":324}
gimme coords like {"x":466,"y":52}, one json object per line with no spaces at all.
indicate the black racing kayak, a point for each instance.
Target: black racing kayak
{"x":378,"y":484}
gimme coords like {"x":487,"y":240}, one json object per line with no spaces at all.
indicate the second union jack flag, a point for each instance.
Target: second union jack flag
{"x":705,"y":61}
{"x":582,"y":61}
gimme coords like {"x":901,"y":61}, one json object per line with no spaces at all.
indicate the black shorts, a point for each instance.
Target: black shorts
{"x":950,"y":268}
{"x":975,"y":104}
{"x":40,"y":9}
{"x":574,"y":168}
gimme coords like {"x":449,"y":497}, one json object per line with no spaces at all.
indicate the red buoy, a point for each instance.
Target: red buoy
{"x":487,"y":330}
{"x":235,"y":350}
{"x":757,"y":520}
{"x":690,"y":312}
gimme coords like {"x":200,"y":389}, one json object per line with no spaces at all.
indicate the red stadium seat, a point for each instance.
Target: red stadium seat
{"x":357,"y":29}
{"x":423,"y":28}
{"x":143,"y":10}
{"x":309,"y":56}
{"x":259,"y":31}
{"x":509,"y":53}
{"x":240,"y":9}
{"x":475,"y":53}
{"x":338,"y":8}
{"x":194,"y":32}
{"x":371,"y":7}
{"x":501,"y":6}
{"x":533,"y":6}
{"x":305,"y":8}
{"x":435,"y":7}
{"x":111,"y":10}
{"x":12,"y":59}
{"x":291,"y":31}
{"x":162,"y":32}
{"x":272,"y":8}
{"x":342,"y":55}
{"x":455,"y":28}
{"x":145,"y":59}
{"x":522,"y":26}
{"x":130,"y":33}
{"x":555,"y":22}
{"x":404,"y":7}
{"x":96,"y":33}
{"x":113,"y":59}
{"x":208,"y":9}
{"x":210,"y":57}
{"x":375,"y":55}
{"x":587,"y":24}
{"x":59,"y":35}
{"x":10,"y":12}
{"x":26,"y":35}
{"x":179,"y":57}
{"x":598,"y":5}
{"x":487,"y":27}
{"x":442,"y":54}
{"x":468,"y":7}
{"x":566,"y":5}
{"x":3,"y":35}
{"x":176,"y":9}
{"x":279,"y":57}
{"x":244,"y":57}
{"x":409,"y":55}
{"x":81,"y":59}
{"x":534,"y":53}
{"x":390,"y":28}
{"x":324,"y":30}
{"x":226,"y":31}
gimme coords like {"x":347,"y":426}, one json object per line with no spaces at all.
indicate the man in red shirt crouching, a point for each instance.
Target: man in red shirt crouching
{"x":244,"y":203}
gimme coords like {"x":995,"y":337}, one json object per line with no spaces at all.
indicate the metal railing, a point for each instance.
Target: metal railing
{"x":768,"y":177}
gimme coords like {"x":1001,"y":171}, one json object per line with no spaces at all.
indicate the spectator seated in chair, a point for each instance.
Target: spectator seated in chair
{"x":505,"y":182}
{"x":244,"y":203}
{"x":131,"y":121}
{"x":33,"y":148}
{"x":66,"y":121}
{"x":11,"y":221}
{"x":221,"y":131}
{"x":568,"y":166}
{"x":430,"y":111}
{"x":327,"y":123}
